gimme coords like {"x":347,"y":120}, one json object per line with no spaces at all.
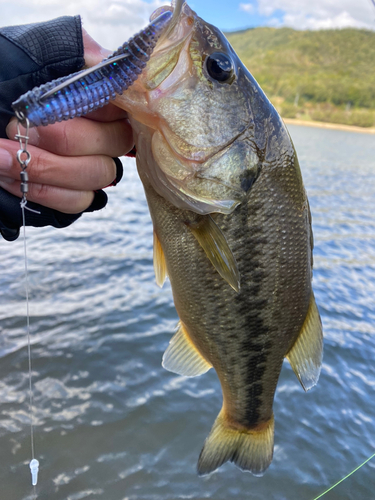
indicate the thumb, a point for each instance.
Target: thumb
{"x":93,"y":52}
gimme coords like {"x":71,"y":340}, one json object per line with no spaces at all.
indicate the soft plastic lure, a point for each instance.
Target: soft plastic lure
{"x":87,"y":90}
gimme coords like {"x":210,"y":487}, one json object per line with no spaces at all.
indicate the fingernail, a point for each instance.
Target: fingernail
{"x":34,"y":137}
{"x":105,"y":52}
{"x":11,"y":131}
{"x":6,"y":160}
{"x":6,"y":180}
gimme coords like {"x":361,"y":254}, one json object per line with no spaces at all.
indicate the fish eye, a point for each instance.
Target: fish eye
{"x":220,"y":67}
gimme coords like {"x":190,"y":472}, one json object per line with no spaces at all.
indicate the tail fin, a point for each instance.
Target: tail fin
{"x":250,"y":450}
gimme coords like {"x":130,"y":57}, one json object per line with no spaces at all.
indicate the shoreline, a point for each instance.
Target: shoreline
{"x":333,"y":126}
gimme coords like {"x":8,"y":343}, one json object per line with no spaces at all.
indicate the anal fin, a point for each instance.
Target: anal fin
{"x":306,"y":354}
{"x":160,"y":266}
{"x":216,"y":247}
{"x":183,"y":357}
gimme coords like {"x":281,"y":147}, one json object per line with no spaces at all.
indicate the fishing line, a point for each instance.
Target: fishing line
{"x":84,"y":91}
{"x":23,"y":158}
{"x":346,"y":477}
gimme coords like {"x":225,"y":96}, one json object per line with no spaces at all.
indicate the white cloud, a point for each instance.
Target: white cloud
{"x":246,"y":7}
{"x":319,"y":14}
{"x":342,"y":20}
{"x":110,"y":23}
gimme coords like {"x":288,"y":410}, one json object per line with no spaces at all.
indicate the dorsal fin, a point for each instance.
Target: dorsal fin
{"x":216,"y":247}
{"x":183,"y":357}
{"x":307,"y":352}
{"x":160,"y":266}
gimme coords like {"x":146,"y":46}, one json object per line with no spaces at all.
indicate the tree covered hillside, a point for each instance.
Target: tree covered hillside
{"x":326,"y":75}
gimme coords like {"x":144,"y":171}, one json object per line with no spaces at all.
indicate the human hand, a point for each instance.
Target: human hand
{"x":69,"y":160}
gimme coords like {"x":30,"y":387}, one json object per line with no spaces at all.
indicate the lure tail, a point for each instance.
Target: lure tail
{"x":85,"y":91}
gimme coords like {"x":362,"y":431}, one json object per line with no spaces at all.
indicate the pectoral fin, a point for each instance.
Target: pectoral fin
{"x":217,"y":249}
{"x":160,"y":266}
{"x":183,"y":357}
{"x":307,"y":352}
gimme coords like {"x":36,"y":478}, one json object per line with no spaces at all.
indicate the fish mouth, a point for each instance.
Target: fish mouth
{"x":167,"y":54}
{"x":176,"y":8}
{"x":197,"y":185}
{"x":195,"y":155}
{"x":193,"y":168}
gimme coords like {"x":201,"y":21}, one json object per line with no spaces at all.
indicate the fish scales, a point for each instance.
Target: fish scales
{"x":232,"y":230}
{"x":243,"y":331}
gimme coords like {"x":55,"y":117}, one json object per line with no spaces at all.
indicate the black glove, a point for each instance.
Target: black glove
{"x":29,"y":56}
{"x":33,"y":54}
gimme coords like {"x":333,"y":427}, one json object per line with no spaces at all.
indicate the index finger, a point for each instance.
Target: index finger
{"x":107,"y":113}
{"x":81,"y":137}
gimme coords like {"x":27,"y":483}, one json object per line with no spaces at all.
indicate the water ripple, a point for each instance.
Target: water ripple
{"x":112,"y":424}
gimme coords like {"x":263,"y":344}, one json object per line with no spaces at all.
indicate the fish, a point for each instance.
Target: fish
{"x":231,"y":228}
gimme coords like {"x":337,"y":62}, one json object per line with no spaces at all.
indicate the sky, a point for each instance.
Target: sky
{"x":111,"y":22}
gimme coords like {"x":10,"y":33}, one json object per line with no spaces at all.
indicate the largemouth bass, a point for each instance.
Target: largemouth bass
{"x":232,"y":230}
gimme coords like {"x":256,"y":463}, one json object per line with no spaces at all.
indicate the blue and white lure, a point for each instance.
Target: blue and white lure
{"x":75,"y":95}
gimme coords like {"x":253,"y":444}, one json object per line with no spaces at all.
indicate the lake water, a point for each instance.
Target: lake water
{"x":112,"y":424}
